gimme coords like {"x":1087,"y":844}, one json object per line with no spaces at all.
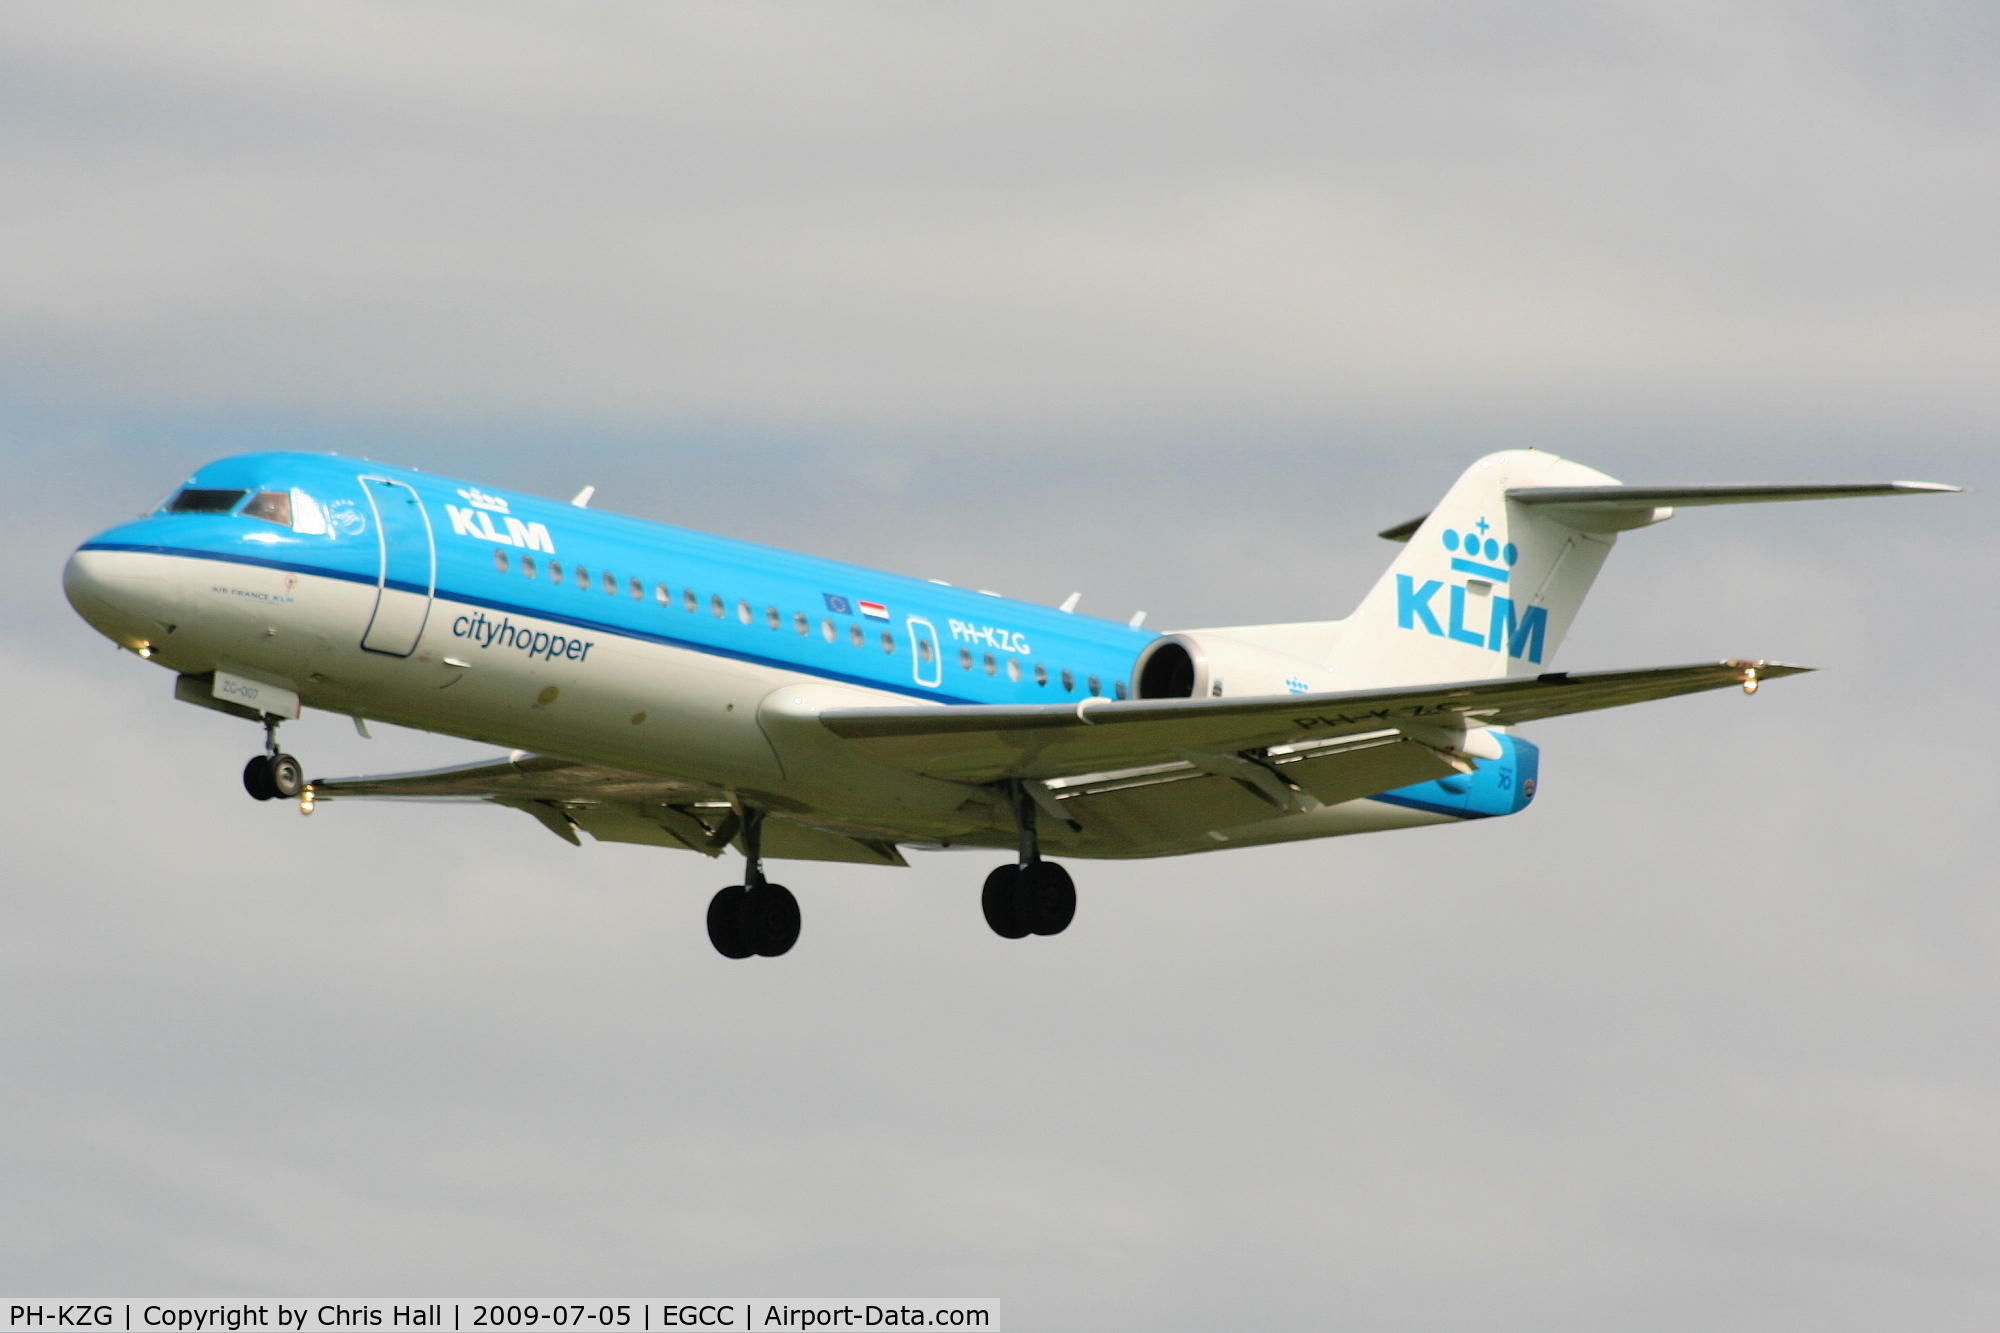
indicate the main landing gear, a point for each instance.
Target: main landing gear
{"x":273,"y":773}
{"x":756,"y":916}
{"x":1033,"y":897}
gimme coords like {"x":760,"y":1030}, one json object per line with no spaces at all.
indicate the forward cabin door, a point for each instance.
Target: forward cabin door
{"x":925,"y":662}
{"x":409,"y":568}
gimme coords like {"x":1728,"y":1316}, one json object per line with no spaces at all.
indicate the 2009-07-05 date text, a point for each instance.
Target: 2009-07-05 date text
{"x":561,"y":1316}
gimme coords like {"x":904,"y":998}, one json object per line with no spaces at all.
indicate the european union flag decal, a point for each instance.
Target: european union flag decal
{"x":838,"y":605}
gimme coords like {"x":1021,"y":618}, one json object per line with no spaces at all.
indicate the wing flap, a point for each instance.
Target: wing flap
{"x":611,"y":805}
{"x":563,"y":795}
{"x":986,"y":743}
{"x":1365,"y":767}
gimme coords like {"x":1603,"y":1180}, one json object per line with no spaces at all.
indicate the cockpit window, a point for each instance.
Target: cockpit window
{"x":195,"y":500}
{"x":272,"y":507}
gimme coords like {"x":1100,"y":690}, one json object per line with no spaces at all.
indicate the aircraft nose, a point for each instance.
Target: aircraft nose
{"x":128,"y":596}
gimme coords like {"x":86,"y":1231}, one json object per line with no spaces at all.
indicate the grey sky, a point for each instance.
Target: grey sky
{"x":1175,"y":305}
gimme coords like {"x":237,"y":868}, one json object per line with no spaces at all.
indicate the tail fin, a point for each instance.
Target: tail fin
{"x":1485,"y":588}
{"x":1494,"y":575}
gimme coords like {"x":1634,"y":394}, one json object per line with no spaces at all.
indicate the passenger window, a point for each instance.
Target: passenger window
{"x":965,"y":659}
{"x":661,"y":595}
{"x":500,"y":560}
{"x":688,"y":599}
{"x":743,"y":612}
{"x":583,"y":578}
{"x":555,"y":571}
{"x":800,"y":623}
{"x":1041,"y":674}
{"x":716,"y":606}
{"x":1014,"y":669}
{"x":610,"y":583}
{"x":528,"y":566}
{"x":1095,"y":688}
{"x":924,"y":651}
{"x":1069,"y":682}
{"x":272,"y":507}
{"x":826,"y":630}
{"x":192,"y":500}
{"x":855,"y":636}
{"x":639,"y":591}
{"x":1118,"y":688}
{"x":771,"y":617}
{"x":888,"y":643}
{"x":989,"y":663}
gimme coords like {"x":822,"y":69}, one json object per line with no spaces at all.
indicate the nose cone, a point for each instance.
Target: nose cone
{"x":132,"y":597}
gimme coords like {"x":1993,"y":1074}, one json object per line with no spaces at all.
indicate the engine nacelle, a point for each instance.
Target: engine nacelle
{"x":1207,"y":664}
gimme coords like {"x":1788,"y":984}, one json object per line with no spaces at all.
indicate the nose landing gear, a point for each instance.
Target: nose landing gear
{"x":756,"y":916}
{"x":273,"y":773}
{"x":1033,"y":897}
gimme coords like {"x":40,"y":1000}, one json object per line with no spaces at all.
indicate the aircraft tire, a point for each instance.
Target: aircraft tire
{"x":1001,"y":901}
{"x":725,"y":923}
{"x":770,"y":917}
{"x":257,"y":778}
{"x":1047,"y":897}
{"x":288,"y":778}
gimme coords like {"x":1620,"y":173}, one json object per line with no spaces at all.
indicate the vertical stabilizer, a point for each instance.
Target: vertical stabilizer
{"x":1486,"y":587}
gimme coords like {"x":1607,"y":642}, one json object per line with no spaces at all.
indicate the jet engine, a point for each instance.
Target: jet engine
{"x":1213,"y":664}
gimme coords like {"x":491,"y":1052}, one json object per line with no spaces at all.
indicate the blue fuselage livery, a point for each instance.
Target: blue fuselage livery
{"x":604,"y":574}
{"x":675,"y":689}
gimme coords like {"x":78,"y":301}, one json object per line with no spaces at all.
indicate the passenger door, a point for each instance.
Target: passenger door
{"x":925,"y":661}
{"x":408,"y":574}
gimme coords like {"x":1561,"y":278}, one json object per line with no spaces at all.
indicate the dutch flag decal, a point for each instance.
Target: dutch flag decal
{"x":874,"y":610}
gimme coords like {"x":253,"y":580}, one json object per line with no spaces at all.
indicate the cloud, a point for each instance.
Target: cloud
{"x":901,"y":214}
{"x":1174,"y":305}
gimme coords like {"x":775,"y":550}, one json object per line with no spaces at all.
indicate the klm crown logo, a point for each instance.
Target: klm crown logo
{"x":1519,"y":633}
{"x":1477,"y":546}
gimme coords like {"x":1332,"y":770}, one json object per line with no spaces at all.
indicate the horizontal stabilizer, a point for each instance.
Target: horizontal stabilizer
{"x":1638,"y":502}
{"x":1675,"y":497}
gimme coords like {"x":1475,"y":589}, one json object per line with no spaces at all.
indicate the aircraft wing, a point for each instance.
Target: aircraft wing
{"x":610,"y":804}
{"x":986,"y":743}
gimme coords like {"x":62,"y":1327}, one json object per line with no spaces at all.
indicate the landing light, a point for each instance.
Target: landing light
{"x":1750,"y":681}
{"x":144,"y":649}
{"x":306,"y":801}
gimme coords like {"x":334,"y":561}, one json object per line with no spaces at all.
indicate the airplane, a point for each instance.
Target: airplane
{"x":665,"y":687}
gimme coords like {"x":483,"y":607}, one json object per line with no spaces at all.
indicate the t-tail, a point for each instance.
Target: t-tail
{"x":1493,"y":576}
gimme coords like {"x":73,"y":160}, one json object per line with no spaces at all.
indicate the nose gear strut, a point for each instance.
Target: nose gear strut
{"x":273,"y":773}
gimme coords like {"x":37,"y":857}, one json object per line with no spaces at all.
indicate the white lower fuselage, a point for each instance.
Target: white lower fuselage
{"x":621,"y":702}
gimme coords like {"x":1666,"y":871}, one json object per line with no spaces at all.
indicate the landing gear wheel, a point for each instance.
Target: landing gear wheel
{"x":770,"y":919}
{"x":257,"y":778}
{"x":725,"y":923}
{"x":1002,"y":904}
{"x":1047,"y":897}
{"x":287,"y":778}
{"x":758,"y":919}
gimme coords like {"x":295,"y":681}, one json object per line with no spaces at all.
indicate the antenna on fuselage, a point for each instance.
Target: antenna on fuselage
{"x":582,"y":498}
{"x":1069,"y":602}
